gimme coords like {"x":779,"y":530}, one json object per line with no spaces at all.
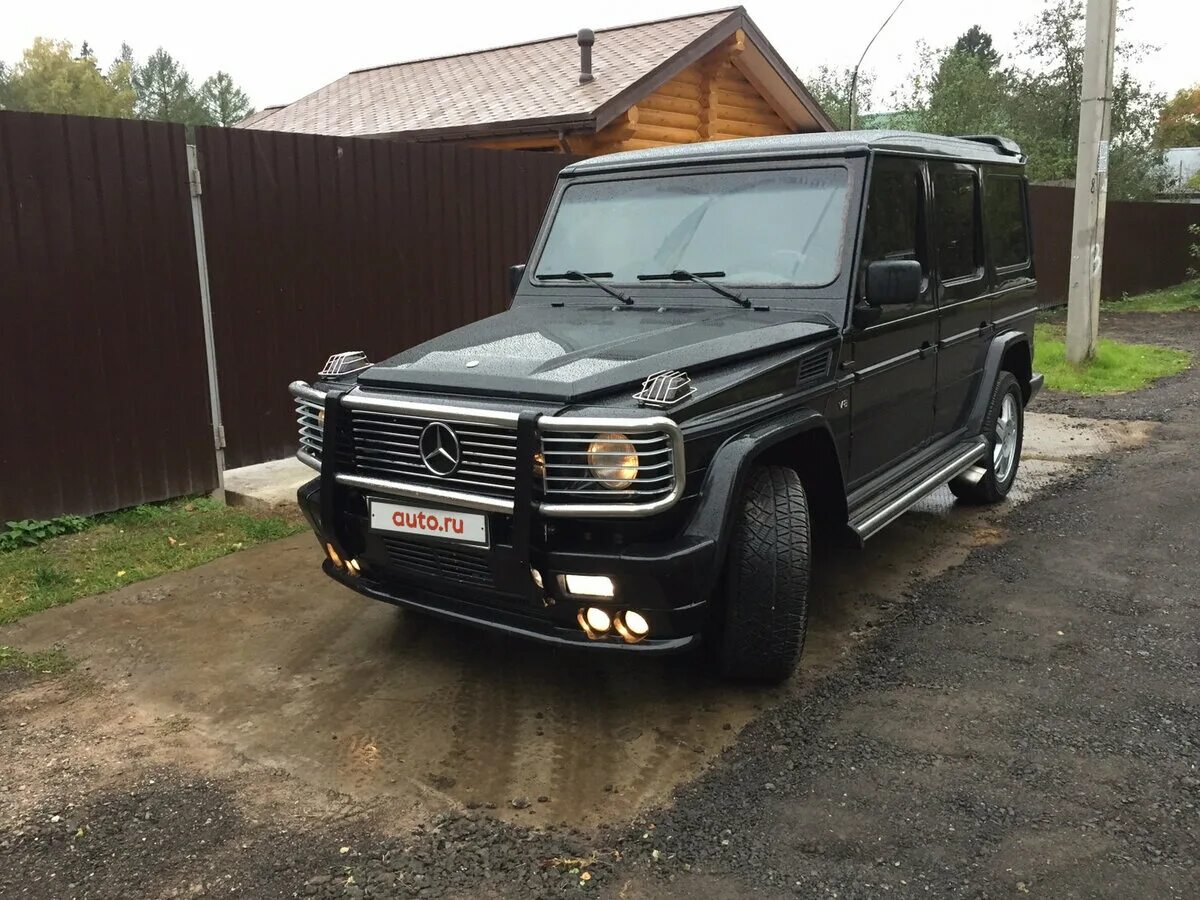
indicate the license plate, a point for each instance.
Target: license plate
{"x":429,"y":521}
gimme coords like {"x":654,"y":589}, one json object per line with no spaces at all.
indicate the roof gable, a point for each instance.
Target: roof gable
{"x":508,"y":89}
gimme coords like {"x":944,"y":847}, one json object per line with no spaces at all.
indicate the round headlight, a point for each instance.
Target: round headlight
{"x":613,"y":460}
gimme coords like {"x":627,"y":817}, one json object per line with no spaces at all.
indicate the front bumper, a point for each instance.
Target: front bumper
{"x":667,"y":582}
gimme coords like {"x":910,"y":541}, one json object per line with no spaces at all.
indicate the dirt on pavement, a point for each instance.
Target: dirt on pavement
{"x":993,"y":702}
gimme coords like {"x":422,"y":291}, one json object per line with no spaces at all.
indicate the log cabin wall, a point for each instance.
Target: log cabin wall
{"x":712,"y":100}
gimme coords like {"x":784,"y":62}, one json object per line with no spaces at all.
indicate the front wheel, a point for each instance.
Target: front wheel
{"x":766,"y":579}
{"x":1004,"y":428}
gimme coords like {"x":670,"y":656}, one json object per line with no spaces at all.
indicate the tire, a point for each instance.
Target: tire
{"x":1003,"y":456}
{"x":766,"y":579}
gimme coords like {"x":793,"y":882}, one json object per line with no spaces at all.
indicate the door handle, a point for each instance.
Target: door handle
{"x":925,"y":349}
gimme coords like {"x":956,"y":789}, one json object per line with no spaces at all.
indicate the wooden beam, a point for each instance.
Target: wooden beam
{"x":764,"y":115}
{"x":746,"y":129}
{"x":667,"y":103}
{"x":670,"y":135}
{"x":632,"y":144}
{"x":756,"y":70}
{"x":669,"y":119}
{"x":682,"y":89}
{"x":622,"y":127}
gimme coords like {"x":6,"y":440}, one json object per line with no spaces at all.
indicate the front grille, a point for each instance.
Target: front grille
{"x":569,"y":477}
{"x":461,"y":565}
{"x":386,"y":445}
{"x":307,"y":417}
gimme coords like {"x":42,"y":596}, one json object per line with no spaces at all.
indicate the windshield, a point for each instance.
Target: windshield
{"x":770,"y":227}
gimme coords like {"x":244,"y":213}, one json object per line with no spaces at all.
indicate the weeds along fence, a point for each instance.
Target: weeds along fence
{"x":122,"y":246}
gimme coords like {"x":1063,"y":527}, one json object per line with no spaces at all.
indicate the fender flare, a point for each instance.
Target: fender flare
{"x":730,"y":466}
{"x":992,"y":365}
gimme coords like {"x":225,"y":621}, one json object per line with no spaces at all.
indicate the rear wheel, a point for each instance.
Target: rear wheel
{"x":766,"y":579}
{"x":1004,"y":428}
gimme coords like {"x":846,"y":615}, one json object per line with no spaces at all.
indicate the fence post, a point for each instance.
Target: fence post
{"x":210,"y":350}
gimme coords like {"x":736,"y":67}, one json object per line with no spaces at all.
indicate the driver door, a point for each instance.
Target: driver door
{"x":893,"y":360}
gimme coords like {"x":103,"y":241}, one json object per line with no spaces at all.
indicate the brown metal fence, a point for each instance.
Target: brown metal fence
{"x":1146,"y":245}
{"x":319,"y":244}
{"x":101,"y":333}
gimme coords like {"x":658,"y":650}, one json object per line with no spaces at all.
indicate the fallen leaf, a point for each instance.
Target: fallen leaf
{"x":121,"y":574}
{"x":345,"y":850}
{"x":586,"y":876}
{"x":171,"y":540}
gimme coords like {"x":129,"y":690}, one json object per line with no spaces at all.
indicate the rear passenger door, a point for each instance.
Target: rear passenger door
{"x":964,"y":307}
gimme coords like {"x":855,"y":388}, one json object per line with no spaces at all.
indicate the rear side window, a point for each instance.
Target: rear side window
{"x":954,"y":197}
{"x":1004,"y":205}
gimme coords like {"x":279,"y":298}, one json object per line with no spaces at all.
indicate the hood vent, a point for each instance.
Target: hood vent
{"x":665,"y":389}
{"x":813,"y":369}
{"x":345,"y":364}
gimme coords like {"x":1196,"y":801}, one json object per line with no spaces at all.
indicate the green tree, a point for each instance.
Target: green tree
{"x":964,"y":89}
{"x":830,"y":87}
{"x":224,"y":102}
{"x":50,"y":78}
{"x":977,"y":43}
{"x":1179,"y":124}
{"x":165,"y":92}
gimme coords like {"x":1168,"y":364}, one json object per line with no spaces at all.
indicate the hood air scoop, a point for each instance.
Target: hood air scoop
{"x":665,"y":389}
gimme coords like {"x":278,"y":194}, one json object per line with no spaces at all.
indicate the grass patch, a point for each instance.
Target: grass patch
{"x":126,"y":546}
{"x":1116,"y":368}
{"x":1180,"y":298}
{"x":48,"y":662}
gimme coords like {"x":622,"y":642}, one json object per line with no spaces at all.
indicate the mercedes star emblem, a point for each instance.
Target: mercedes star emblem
{"x":439,"y":449}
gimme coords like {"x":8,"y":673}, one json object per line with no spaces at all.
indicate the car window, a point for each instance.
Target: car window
{"x":766,"y":227}
{"x":957,"y":231}
{"x":1005,"y":209}
{"x":895,"y":226}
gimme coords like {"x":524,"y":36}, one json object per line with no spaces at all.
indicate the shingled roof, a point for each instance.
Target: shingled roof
{"x":519,"y":88}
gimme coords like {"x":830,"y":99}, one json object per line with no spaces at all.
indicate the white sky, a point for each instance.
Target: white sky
{"x":280,"y":51}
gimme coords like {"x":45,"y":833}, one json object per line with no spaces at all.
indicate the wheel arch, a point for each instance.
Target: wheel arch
{"x":1010,"y":351}
{"x":802,"y":441}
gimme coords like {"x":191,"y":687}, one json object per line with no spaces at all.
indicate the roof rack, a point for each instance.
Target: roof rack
{"x":1003,"y":144}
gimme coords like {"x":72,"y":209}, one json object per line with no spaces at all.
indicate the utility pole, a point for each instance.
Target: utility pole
{"x":1091,"y":181}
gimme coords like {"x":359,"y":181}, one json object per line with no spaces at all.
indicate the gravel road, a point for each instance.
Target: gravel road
{"x":1025,"y":723}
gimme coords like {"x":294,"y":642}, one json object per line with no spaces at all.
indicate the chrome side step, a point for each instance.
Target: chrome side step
{"x":960,"y":459}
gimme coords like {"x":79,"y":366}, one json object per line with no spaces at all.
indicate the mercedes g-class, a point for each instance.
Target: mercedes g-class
{"x":716,"y":353}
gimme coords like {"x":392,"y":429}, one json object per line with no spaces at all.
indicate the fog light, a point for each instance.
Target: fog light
{"x":597,"y":619}
{"x":636,"y":623}
{"x":594,"y":621}
{"x":333,"y":556}
{"x":589,"y":585}
{"x":632,"y":626}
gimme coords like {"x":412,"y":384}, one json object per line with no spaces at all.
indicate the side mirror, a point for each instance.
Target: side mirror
{"x":515,"y":274}
{"x":892,"y":281}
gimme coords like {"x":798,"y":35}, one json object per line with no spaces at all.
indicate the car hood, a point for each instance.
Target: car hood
{"x":568,"y":354}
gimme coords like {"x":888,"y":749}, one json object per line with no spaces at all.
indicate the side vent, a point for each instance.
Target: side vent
{"x":664,"y":389}
{"x":345,"y":364}
{"x":813,"y":369}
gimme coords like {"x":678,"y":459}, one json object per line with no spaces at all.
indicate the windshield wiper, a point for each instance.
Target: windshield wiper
{"x":590,"y":278}
{"x":699,"y":278}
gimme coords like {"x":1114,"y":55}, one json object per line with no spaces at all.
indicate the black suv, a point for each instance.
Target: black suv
{"x":717,"y":352}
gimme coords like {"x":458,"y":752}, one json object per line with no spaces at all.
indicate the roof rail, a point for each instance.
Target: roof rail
{"x":1003,"y":144}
